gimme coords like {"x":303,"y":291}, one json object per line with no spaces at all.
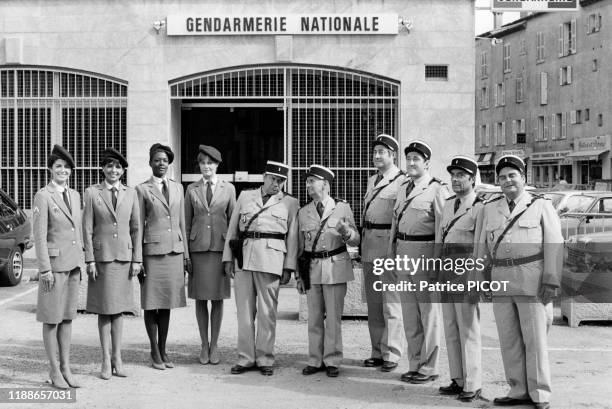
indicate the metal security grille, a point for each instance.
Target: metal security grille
{"x":331,"y":117}
{"x":40,"y":107}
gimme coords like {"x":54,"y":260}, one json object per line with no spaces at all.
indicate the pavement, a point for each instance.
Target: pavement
{"x":581,"y":363}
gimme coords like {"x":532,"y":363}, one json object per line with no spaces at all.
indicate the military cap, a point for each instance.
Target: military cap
{"x":419,"y":147}
{"x":158,"y":147}
{"x":59,"y":152}
{"x":211,"y":152}
{"x":321,"y":172}
{"x":113,"y":154}
{"x":387,"y":141}
{"x":277,"y":169}
{"x":463,"y":163}
{"x":511,"y":161}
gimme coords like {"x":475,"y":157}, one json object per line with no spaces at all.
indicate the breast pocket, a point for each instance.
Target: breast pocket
{"x":422,"y":210}
{"x":528,"y":231}
{"x":280,"y":216}
{"x":330,"y":227}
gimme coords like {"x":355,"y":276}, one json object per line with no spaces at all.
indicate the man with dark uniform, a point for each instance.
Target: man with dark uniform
{"x":384,"y":308}
{"x":266,"y":218}
{"x":521,"y":236}
{"x":416,"y":217}
{"x":461,"y":314}
{"x":327,"y":226}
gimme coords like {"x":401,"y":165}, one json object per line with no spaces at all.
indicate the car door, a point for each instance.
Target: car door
{"x":571,"y":221}
{"x":598,"y":218}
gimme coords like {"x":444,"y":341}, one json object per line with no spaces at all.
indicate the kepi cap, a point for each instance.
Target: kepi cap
{"x":387,"y":141}
{"x":211,"y":152}
{"x":59,"y":152}
{"x":158,"y":147}
{"x":511,"y":161}
{"x":321,"y":172}
{"x":419,"y":147}
{"x":277,"y":169}
{"x":463,"y":163}
{"x":112,"y":153}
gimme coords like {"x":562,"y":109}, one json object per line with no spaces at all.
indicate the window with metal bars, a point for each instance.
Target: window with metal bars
{"x":436,"y":72}
{"x":40,"y":107}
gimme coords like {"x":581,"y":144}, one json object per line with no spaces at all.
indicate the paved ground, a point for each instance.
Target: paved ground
{"x":581,"y":360}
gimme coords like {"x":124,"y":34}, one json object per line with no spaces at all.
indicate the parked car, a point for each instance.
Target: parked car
{"x":575,"y":201}
{"x":592,"y":213}
{"x":486,"y":191}
{"x":15,"y":238}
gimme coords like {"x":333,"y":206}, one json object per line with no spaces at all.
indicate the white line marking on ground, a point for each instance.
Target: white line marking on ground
{"x":18,"y":296}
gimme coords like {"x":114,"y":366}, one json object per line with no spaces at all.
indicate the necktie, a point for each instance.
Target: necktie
{"x":320,"y":209}
{"x":457,"y":204}
{"x":265,"y":198}
{"x":208,"y":192}
{"x":66,"y":200}
{"x":165,"y":191}
{"x":409,"y":188}
{"x":511,"y":205}
{"x":114,"y":197}
{"x":378,"y":179}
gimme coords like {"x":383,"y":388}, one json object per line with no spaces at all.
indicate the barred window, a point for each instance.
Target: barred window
{"x":436,"y":72}
{"x":40,"y":107}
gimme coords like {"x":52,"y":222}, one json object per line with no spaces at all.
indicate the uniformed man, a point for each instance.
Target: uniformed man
{"x":327,"y":226}
{"x":384,"y":308}
{"x":267,"y":220}
{"x":416,"y":217}
{"x":455,"y":240}
{"x":521,"y":234}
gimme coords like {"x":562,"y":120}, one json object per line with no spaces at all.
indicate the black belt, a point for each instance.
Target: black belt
{"x":263,"y":235}
{"x":324,"y":254}
{"x":509,"y":262}
{"x":378,"y":226}
{"x":458,"y":249}
{"x":410,"y":237}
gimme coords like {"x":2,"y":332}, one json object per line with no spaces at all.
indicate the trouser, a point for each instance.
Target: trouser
{"x":462,"y":332}
{"x":522,"y":324}
{"x":384,"y":316}
{"x":325,"y":305}
{"x":256,"y":299}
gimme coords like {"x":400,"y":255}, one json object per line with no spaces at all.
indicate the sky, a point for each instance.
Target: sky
{"x":484,"y":18}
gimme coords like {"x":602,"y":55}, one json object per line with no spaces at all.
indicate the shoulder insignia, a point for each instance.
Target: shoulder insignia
{"x":495,"y":199}
{"x":435,"y":180}
{"x":477,"y":200}
{"x":452,"y":197}
{"x":36,"y":210}
{"x":339,"y":200}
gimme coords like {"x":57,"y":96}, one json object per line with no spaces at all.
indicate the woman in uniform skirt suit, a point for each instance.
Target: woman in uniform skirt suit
{"x":209,"y":203}
{"x":59,"y":252}
{"x":164,"y":250}
{"x":113,"y":253}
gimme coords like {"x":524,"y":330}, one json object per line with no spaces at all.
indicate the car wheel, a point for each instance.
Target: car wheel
{"x":13,"y":271}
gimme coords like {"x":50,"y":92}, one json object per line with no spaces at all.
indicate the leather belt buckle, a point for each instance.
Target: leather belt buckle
{"x":508,"y":262}
{"x":256,"y":235}
{"x":325,"y":254}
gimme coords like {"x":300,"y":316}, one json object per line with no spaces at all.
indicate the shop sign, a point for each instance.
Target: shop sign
{"x":534,"y":5}
{"x":553,"y":155}
{"x":278,"y":24}
{"x":516,"y":152}
{"x":594,"y":143}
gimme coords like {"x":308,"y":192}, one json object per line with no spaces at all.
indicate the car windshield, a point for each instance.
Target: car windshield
{"x":555,"y":198}
{"x":579,"y":203}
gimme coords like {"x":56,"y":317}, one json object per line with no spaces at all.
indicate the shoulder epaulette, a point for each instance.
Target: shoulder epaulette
{"x":339,"y":200}
{"x":436,"y":180}
{"x":452,"y":197}
{"x":495,"y":199}
{"x":288,"y":194}
{"x":539,"y":196}
{"x":477,"y":200}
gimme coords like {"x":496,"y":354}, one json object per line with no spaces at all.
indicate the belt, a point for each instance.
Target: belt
{"x":509,"y":262}
{"x":324,"y":254}
{"x":378,"y":226}
{"x":409,"y":237}
{"x":263,"y":235}
{"x":458,"y":249}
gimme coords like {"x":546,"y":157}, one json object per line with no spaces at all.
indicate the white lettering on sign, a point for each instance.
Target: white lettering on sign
{"x":534,"y":5}
{"x":182,"y":25}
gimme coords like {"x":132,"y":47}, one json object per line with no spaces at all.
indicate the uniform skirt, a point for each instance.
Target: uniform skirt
{"x":61,"y":302}
{"x":164,"y":285}
{"x":208,"y":281}
{"x":112,"y":292}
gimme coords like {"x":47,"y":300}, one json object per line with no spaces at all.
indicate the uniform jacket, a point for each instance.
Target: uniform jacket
{"x":537,"y":230}
{"x":460,"y":236}
{"x":421,"y":217}
{"x":110,"y":234}
{"x":206,"y":224}
{"x":374,"y":243}
{"x":57,"y":231}
{"x":280,"y":216}
{"x":163,"y":224}
{"x":335,"y":269}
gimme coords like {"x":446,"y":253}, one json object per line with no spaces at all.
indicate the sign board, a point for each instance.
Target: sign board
{"x":279,"y":24}
{"x":534,"y":5}
{"x":516,"y":152}
{"x":594,"y":143}
{"x":552,"y":155}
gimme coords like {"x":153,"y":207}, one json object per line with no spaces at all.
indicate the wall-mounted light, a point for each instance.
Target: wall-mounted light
{"x":494,"y":40}
{"x":404,"y":24}
{"x":158,"y":25}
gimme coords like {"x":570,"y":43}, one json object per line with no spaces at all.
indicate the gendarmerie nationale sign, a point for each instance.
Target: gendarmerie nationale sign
{"x":534,"y":5}
{"x":311,"y":24}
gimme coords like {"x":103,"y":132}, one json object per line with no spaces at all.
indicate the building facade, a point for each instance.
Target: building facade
{"x":241,"y":75}
{"x":543,"y":87}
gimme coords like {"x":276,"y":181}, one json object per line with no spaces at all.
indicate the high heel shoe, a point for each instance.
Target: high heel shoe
{"x":68,"y":377}
{"x":167,"y":362}
{"x":105,"y":372}
{"x":214,"y":357}
{"x":117,"y":370}
{"x":155,"y":365}
{"x":58,"y":382}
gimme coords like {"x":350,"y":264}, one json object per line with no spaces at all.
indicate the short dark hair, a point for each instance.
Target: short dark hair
{"x":201,"y":156}
{"x":112,"y":160}
{"x":51,"y":160}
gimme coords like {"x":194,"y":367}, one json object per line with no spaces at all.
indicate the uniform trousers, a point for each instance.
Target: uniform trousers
{"x":463,"y":343}
{"x":384,"y":316}
{"x":256,"y":301}
{"x":522,"y":324}
{"x":325,"y":306}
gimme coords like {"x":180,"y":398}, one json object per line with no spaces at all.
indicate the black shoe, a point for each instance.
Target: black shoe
{"x":542,"y":405}
{"x":372,"y":362}
{"x":239,"y":369}
{"x":388,"y":366}
{"x":419,"y":378}
{"x":508,"y":401}
{"x":332,"y":371}
{"x":452,"y":389}
{"x":469,"y":396}
{"x":310,"y":370}
{"x":406,"y":377}
{"x":266,"y":370}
